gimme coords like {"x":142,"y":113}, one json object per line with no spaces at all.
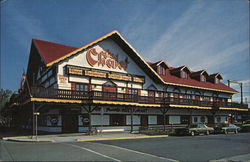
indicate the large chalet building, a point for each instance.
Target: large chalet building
{"x":107,"y":85}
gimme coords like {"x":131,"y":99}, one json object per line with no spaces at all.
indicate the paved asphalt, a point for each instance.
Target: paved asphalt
{"x":185,"y":148}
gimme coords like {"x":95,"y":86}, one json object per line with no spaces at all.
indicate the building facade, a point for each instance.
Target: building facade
{"x":107,"y":85}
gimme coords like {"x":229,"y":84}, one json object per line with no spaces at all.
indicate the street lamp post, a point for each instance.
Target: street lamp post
{"x":36,"y":114}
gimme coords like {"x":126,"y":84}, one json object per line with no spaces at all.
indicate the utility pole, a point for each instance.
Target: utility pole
{"x":241,"y":86}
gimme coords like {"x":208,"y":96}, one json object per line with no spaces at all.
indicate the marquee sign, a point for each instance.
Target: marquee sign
{"x":120,"y":77}
{"x":94,"y":74}
{"x":105,"y":58}
{"x":138,"y":79}
{"x":75,"y":71}
{"x":72,"y":70}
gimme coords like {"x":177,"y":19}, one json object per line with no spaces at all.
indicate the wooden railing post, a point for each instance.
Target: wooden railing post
{"x":131,"y":119}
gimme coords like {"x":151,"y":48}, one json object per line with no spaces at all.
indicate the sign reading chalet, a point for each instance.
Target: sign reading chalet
{"x":105,"y":58}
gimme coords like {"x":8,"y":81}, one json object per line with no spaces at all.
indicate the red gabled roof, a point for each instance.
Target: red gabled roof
{"x":150,"y":63}
{"x":51,"y":51}
{"x":195,"y":83}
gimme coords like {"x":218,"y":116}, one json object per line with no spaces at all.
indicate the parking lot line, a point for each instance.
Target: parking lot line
{"x":83,"y":148}
{"x":117,"y":147}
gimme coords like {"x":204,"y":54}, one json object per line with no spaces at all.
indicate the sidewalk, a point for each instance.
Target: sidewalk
{"x":80,"y":137}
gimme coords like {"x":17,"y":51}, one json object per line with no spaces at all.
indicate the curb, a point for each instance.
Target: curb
{"x":24,"y":140}
{"x":120,"y":138}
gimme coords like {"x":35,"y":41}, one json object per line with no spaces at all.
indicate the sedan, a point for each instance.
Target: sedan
{"x":194,"y":129}
{"x":226,"y":128}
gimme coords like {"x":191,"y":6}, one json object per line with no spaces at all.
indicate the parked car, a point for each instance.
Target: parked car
{"x":246,"y":126}
{"x":226,"y":128}
{"x":194,"y":129}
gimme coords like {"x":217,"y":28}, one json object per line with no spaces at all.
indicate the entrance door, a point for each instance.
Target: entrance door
{"x":144,"y":120}
{"x":210,"y":119}
{"x":117,"y":120}
{"x":185,"y":119}
{"x":69,"y":123}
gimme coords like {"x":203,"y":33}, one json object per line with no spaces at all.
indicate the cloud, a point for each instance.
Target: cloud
{"x":161,"y":45}
{"x":245,"y":81}
{"x":201,"y":38}
{"x":221,"y":58}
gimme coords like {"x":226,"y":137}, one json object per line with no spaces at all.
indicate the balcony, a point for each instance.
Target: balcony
{"x":50,"y":93}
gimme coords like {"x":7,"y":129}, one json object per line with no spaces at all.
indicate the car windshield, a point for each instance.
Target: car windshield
{"x":201,"y":126}
{"x":232,"y":125}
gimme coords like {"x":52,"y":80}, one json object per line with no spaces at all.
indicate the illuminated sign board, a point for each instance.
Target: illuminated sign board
{"x":120,"y":77}
{"x":138,"y":79}
{"x":94,"y":74}
{"x":75,"y":71}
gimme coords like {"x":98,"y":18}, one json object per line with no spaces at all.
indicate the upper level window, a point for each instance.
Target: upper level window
{"x":216,"y":80}
{"x":184,"y":75}
{"x":203,"y":78}
{"x":161,"y":70}
{"x":133,"y":91}
{"x":79,"y":87}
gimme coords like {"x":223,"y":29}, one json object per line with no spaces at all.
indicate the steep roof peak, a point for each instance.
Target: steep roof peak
{"x":50,"y":51}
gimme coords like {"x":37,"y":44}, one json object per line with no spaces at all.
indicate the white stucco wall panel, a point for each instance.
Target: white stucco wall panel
{"x":79,"y":79}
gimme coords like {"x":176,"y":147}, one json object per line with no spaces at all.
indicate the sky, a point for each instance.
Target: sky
{"x":211,"y":35}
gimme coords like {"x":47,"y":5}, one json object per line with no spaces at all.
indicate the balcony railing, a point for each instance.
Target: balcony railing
{"x":114,"y":96}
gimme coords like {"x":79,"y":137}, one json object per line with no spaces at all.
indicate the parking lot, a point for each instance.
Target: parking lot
{"x":183,"y":148}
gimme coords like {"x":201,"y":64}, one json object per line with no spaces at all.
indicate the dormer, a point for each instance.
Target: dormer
{"x":201,"y":75}
{"x":215,"y":78}
{"x":160,"y":67}
{"x":182,"y":72}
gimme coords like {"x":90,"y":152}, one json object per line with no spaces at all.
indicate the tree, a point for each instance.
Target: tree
{"x":4,"y":97}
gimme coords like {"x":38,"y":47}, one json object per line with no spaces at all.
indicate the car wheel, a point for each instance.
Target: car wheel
{"x":192,"y":133}
{"x":207,"y":133}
